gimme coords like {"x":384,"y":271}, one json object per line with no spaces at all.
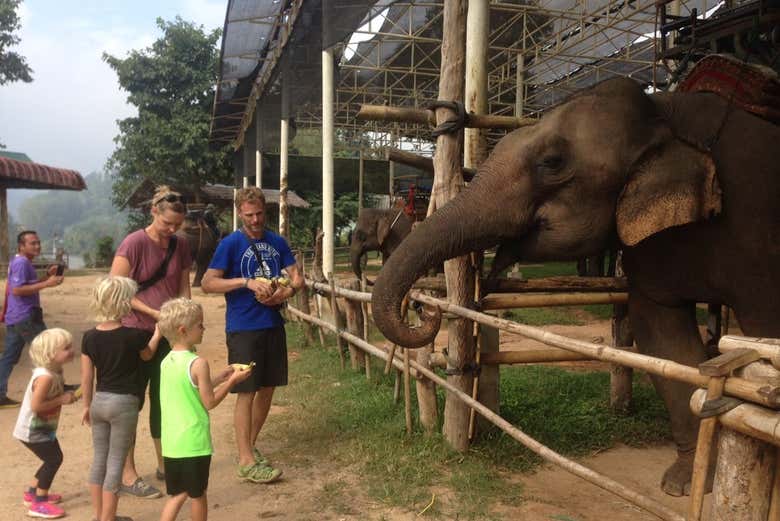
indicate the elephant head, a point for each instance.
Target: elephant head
{"x":377,"y":230}
{"x":603,"y":165}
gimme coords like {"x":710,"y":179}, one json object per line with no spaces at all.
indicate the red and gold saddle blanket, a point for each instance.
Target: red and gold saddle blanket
{"x":752,"y":88}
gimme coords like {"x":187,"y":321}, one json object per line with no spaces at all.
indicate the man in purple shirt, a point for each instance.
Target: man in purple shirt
{"x":23,"y":314}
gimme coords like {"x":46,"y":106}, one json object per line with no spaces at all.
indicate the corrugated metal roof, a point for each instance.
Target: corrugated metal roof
{"x":22,"y":174}
{"x":254,"y":55}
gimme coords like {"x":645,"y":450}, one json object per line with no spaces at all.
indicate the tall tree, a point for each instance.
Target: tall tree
{"x":172,"y":84}
{"x":13,"y":66}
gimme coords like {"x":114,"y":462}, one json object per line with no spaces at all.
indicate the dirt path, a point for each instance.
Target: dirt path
{"x":551,"y":494}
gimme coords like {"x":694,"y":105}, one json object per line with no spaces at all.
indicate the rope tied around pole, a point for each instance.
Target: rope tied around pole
{"x":450,"y":126}
{"x":452,"y":368}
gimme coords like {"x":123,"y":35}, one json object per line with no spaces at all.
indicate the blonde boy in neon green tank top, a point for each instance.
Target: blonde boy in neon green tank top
{"x":187,"y":393}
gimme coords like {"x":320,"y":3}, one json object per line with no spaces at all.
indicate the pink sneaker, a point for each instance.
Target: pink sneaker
{"x":45,"y":510}
{"x":29,"y":498}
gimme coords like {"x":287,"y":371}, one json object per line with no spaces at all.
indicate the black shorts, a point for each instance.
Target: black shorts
{"x":190,"y":475}
{"x":267,"y":348}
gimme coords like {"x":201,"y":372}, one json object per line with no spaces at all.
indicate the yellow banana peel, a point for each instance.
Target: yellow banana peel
{"x":242,"y":367}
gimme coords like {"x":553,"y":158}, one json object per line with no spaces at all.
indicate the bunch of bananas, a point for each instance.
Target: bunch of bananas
{"x":274,"y":282}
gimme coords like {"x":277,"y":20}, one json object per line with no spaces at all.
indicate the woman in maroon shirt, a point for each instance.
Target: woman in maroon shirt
{"x":141,"y":256}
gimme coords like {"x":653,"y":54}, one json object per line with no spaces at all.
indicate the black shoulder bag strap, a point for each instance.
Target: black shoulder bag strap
{"x":255,"y":249}
{"x":162,"y":270}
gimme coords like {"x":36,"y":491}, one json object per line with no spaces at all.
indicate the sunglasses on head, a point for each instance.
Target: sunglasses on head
{"x":169,"y":198}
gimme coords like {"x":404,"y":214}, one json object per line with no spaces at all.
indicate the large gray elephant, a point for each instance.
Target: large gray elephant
{"x":378,"y":230}
{"x":687,"y":184}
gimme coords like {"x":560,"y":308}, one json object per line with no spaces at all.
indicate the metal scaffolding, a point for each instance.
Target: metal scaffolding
{"x":539,"y":53}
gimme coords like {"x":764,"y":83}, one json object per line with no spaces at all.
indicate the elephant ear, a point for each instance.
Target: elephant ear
{"x":383,"y":227}
{"x":673,"y":184}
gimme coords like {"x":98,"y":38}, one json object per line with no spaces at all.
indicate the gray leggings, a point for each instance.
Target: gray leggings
{"x":114,"y":419}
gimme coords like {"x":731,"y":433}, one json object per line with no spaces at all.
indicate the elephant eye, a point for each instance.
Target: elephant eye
{"x":551,"y":163}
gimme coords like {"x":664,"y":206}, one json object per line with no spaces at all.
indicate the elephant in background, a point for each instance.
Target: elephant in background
{"x":378,"y":230}
{"x":201,"y":232}
{"x":687,"y":184}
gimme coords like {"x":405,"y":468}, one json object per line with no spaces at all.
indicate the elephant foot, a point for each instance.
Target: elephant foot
{"x":677,"y":478}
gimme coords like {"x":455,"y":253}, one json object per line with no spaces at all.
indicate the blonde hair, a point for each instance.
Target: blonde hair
{"x":44,"y":347}
{"x":111,"y":297}
{"x":250,"y":194}
{"x":166,"y":199}
{"x":176,"y":313}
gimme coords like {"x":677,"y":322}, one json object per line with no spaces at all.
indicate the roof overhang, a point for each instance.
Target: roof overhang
{"x":23,"y":174}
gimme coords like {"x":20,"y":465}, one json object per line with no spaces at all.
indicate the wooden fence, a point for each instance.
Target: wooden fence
{"x":746,"y":488}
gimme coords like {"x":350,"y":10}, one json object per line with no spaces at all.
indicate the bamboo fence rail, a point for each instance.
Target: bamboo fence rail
{"x":762,"y":394}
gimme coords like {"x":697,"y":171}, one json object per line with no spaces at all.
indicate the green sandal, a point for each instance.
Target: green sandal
{"x":258,"y":473}
{"x":260,"y":459}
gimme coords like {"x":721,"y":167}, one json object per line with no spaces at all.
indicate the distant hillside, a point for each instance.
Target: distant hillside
{"x":77,"y":219}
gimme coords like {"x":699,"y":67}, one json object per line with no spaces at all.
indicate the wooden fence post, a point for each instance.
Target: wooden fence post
{"x":354,"y":325}
{"x":426,"y":393}
{"x":449,"y":182}
{"x":364,"y":310}
{"x":744,"y":475}
{"x":302,"y":302}
{"x":620,"y":376}
{"x":336,"y":322}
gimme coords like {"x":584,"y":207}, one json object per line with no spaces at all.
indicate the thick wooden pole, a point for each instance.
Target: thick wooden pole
{"x":426,"y":393}
{"x":485,"y":384}
{"x":258,"y":151}
{"x":520,"y":87}
{"x":284,"y":222}
{"x":620,"y":377}
{"x":527,"y":300}
{"x":335,"y":310}
{"x":424,"y":117}
{"x":744,"y":475}
{"x":448,"y":183}
{"x":248,"y":153}
{"x":328,"y":97}
{"x":354,"y":325}
{"x":5,"y":252}
{"x":303,"y":301}
{"x":365,"y":333}
{"x":361,"y":173}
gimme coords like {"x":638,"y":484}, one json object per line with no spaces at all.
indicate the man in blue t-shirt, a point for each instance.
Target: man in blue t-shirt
{"x":22,"y":312}
{"x":244,"y":268}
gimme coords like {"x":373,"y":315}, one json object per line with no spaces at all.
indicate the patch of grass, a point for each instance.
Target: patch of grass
{"x":354,"y":424}
{"x":544,"y":316}
{"x":548,"y":269}
{"x":569,"y":412}
{"x":598,"y":311}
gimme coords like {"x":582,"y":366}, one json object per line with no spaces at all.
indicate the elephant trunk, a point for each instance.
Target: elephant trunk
{"x":474,"y":220}
{"x":356,"y":251}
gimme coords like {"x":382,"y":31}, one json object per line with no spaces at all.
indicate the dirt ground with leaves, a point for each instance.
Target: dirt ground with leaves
{"x":549,"y":494}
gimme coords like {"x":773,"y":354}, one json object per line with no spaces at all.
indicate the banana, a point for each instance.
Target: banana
{"x":283,"y":281}
{"x":77,"y":393}
{"x":242,"y":367}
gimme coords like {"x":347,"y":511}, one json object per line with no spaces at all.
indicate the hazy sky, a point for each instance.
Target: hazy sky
{"x":67,"y":116}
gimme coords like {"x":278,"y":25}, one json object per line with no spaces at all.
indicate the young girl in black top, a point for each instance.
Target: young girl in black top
{"x":112,"y":352}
